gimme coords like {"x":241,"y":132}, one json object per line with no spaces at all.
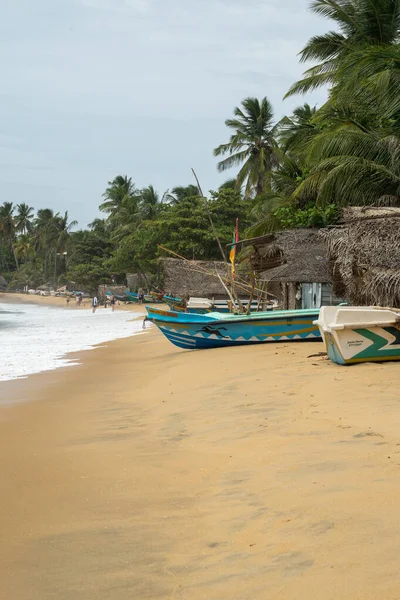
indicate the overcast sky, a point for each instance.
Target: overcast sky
{"x":96,"y":88}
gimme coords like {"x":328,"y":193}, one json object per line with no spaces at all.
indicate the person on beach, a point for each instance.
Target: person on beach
{"x":140,"y":295}
{"x":77,"y":300}
{"x":94,"y":303}
{"x":80,"y":298}
{"x":67,"y":300}
{"x":112,"y":302}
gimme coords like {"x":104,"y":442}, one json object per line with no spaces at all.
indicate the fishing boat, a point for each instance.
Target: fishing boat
{"x":205,"y":305}
{"x":355,"y":334}
{"x":134,"y":297}
{"x":119,"y":297}
{"x":216,"y":330}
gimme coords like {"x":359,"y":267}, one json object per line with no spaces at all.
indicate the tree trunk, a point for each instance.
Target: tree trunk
{"x":15,"y":256}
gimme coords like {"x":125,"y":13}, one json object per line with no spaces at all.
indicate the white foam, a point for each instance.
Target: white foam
{"x":37,"y":338}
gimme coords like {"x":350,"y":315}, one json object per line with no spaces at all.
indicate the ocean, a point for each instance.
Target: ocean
{"x":38,"y":338}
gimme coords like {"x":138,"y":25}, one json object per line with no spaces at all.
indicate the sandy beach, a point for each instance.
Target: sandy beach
{"x":147,"y":472}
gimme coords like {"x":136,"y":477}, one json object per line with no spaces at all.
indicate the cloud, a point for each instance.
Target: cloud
{"x":140,"y":6}
{"x":97,"y":87}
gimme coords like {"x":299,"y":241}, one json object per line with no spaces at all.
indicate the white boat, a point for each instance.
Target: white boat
{"x":203,"y":305}
{"x":354,"y":334}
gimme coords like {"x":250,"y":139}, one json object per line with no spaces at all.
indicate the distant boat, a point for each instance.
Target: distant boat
{"x":134,"y":297}
{"x":216,"y":330}
{"x":360,"y":334}
{"x":205,"y":305}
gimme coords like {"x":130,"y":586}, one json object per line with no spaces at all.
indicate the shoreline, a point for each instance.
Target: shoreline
{"x":59,"y":301}
{"x":75,"y":357}
{"x":252,"y":473}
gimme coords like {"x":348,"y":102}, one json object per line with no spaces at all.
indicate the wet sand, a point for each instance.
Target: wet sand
{"x":242,"y":473}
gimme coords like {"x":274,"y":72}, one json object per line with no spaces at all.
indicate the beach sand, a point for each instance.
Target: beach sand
{"x":244,"y":473}
{"x":60,"y":301}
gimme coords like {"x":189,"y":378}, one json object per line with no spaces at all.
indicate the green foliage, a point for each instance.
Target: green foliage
{"x":296,"y":173}
{"x":89,"y":275}
{"x":252,"y":146}
{"x":290,"y":217}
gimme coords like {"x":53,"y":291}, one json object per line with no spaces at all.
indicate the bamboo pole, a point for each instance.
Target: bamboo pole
{"x":244,"y":286}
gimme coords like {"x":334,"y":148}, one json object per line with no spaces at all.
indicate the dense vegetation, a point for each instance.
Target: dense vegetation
{"x":297,"y":172}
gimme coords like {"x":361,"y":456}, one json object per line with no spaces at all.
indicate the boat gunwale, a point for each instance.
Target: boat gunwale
{"x":253,"y":317}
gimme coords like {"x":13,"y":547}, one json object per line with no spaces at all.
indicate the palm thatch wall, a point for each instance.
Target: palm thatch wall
{"x":184,"y":278}
{"x":364,"y":254}
{"x":291,"y":256}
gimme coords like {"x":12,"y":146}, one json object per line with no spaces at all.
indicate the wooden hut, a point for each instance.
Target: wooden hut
{"x":293,"y":265}
{"x":183,"y":278}
{"x":364,"y":255}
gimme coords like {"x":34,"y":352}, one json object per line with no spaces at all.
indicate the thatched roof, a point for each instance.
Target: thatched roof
{"x":364,"y":252}
{"x":291,"y":256}
{"x":183,"y":278}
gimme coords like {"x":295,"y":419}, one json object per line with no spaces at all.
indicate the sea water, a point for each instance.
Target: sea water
{"x":38,"y":338}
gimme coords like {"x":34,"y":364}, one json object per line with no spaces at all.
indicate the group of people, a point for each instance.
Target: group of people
{"x":78,"y":299}
{"x":109,"y":300}
{"x":95,"y":302}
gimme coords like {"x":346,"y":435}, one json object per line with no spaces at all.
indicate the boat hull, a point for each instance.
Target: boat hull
{"x":195,"y":332}
{"x":360,"y":334}
{"x":372,"y":344}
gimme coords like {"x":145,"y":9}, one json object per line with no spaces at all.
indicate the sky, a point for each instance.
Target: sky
{"x":96,"y":88}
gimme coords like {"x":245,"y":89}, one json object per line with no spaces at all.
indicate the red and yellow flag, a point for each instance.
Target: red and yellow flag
{"x":232,"y":255}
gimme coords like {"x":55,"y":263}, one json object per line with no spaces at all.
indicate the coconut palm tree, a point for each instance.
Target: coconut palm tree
{"x":296,"y":131}
{"x":180,"y":193}
{"x":44,"y":228}
{"x":358,"y":24}
{"x":149,"y":204}
{"x":353,"y":166}
{"x":126,"y":219}
{"x":24,"y":247}
{"x":24,"y":218}
{"x":119,"y":191}
{"x":8,"y":228}
{"x":285,"y":180}
{"x":252,"y":146}
{"x":63,"y":231}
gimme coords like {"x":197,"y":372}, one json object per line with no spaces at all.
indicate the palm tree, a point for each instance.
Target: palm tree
{"x":23,"y":218}
{"x":371,"y":77}
{"x":7,"y":227}
{"x":126,"y":219}
{"x":285,"y":180}
{"x":354,"y":167}
{"x":180,"y":193}
{"x":63,"y":231}
{"x":24,"y":247}
{"x":44,"y":228}
{"x":252,"y":146}
{"x":149,"y":204}
{"x":295,"y":132}
{"x":119,"y":190}
{"x":360,"y":23}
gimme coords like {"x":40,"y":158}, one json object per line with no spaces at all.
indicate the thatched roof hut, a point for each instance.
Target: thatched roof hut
{"x":184,"y":278}
{"x":364,"y":253}
{"x":291,"y":256}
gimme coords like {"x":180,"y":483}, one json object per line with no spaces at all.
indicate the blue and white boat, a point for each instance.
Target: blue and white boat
{"x":355,"y":334}
{"x":216,"y":330}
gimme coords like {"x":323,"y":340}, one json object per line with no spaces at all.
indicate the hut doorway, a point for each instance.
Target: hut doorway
{"x":311,"y":295}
